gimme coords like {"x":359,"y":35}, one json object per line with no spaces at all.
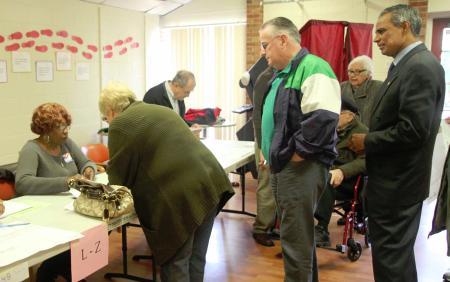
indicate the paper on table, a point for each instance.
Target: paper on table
{"x":13,"y":207}
{"x":22,"y":241}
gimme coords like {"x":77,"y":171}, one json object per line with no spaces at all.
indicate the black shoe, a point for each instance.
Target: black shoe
{"x":341,"y":221}
{"x":263,"y":239}
{"x":321,"y":236}
{"x":274,"y":234}
{"x":446,"y":276}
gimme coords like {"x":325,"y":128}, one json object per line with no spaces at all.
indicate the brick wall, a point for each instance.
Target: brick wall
{"x":254,"y":22}
{"x":422,"y":6}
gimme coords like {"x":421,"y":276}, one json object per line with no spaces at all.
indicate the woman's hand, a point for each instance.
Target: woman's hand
{"x":2,"y":207}
{"x":89,"y":173}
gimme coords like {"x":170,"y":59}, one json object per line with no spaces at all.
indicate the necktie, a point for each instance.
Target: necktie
{"x":391,"y":68}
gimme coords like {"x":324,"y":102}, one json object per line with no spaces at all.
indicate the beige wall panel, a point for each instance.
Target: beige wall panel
{"x":22,"y":93}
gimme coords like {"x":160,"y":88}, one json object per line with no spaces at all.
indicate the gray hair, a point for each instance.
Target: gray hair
{"x":403,"y":13}
{"x":283,"y":25}
{"x":182,"y":78}
{"x":366,"y":61}
{"x":116,"y":97}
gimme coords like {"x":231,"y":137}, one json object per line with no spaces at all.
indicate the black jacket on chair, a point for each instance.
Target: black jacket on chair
{"x":403,"y":127}
{"x":159,"y":96}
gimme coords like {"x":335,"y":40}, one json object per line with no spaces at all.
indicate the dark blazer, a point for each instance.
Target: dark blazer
{"x":159,"y":96}
{"x":403,"y":127}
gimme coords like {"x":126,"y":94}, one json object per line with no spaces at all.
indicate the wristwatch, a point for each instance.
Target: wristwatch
{"x":71,"y":182}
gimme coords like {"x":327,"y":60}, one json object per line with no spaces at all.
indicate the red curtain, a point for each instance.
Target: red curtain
{"x":326,"y":40}
{"x":358,"y":41}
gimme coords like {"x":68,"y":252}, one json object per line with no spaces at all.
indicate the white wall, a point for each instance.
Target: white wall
{"x":361,"y":11}
{"x":199,"y":12}
{"x":22,"y":94}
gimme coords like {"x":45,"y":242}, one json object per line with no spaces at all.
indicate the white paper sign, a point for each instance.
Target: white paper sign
{"x":83,"y":71}
{"x":3,"y":72}
{"x":17,"y":273}
{"x":44,"y":71}
{"x":63,"y":61}
{"x":21,"y":62}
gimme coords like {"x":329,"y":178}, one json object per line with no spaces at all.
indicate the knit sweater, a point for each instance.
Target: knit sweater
{"x":39,"y":173}
{"x":175,"y":180}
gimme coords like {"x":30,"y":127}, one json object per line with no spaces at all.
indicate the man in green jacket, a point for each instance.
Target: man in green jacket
{"x":177,"y":184}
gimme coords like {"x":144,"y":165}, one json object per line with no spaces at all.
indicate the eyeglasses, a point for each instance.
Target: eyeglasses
{"x":355,"y":72}
{"x":264,"y":45}
{"x":63,"y":127}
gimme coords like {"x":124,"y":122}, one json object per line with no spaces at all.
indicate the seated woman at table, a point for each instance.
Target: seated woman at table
{"x":46,"y":166}
{"x":47,"y":163}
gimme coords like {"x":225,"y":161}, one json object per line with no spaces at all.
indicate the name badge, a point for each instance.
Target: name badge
{"x":67,"y":158}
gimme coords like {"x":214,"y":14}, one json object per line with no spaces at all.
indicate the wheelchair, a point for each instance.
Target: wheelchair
{"x":352,"y":211}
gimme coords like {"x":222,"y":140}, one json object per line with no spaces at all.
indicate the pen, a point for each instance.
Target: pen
{"x":13,"y":224}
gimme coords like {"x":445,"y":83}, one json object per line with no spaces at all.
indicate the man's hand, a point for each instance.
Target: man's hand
{"x":337,"y":176}
{"x":296,"y":158}
{"x":356,"y":143}
{"x":262,"y":161}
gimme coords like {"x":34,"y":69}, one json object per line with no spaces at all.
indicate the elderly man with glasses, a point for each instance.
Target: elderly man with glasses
{"x":360,"y":87}
{"x":171,"y":93}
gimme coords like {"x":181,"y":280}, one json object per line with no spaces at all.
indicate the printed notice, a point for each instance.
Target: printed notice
{"x":83,"y":71}
{"x":3,"y":72}
{"x":17,"y":273}
{"x":63,"y":61}
{"x":44,"y":71}
{"x":90,"y":253}
{"x":21,"y":62}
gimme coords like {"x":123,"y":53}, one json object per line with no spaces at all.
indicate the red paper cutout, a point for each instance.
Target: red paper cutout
{"x":28,"y":44}
{"x":32,"y":34}
{"x":87,"y":55}
{"x":58,"y":45}
{"x":118,"y":43}
{"x":41,"y":48}
{"x":77,"y":39}
{"x":135,"y":45}
{"x":15,"y":35}
{"x":47,"y":32}
{"x":62,"y":33}
{"x":123,"y":51}
{"x":12,"y":47}
{"x":72,"y":49}
{"x":2,"y":39}
{"x":108,"y":55}
{"x":93,"y":48}
{"x":107,"y":48}
{"x":128,"y":39}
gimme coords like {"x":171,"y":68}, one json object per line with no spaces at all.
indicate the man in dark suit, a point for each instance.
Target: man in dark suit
{"x":171,"y":93}
{"x":399,"y":145}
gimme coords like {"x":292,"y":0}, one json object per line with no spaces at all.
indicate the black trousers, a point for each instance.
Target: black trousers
{"x":54,"y":266}
{"x":393,"y":231}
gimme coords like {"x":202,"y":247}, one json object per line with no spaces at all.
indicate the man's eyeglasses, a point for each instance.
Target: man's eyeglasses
{"x":265,"y":44}
{"x":355,"y":72}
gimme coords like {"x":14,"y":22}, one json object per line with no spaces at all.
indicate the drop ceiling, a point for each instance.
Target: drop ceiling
{"x":155,"y":7}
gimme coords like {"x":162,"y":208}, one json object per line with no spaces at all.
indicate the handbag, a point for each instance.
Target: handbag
{"x":100,"y":200}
